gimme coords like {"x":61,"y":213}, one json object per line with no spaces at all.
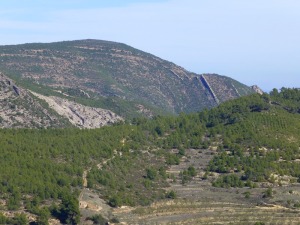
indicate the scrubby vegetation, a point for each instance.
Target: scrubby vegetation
{"x":257,"y":139}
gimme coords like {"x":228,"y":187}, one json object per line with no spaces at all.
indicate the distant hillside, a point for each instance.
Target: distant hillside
{"x":114,"y":76}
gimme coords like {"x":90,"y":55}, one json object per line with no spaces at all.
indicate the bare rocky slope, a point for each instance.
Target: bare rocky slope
{"x":80,"y":115}
{"x":21,"y":108}
{"x":116,"y":77}
{"x":257,"y":89}
{"x":18,"y":108}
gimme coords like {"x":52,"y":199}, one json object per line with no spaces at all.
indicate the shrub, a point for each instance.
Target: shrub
{"x":98,"y":219}
{"x":151,"y":173}
{"x":171,"y":194}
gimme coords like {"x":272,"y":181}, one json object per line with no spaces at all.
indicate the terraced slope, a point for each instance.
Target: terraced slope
{"x":199,"y":203}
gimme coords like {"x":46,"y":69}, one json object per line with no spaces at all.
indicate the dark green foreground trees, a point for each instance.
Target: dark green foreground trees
{"x":41,"y":170}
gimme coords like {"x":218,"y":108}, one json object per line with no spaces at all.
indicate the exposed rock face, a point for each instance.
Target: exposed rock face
{"x":257,"y":89}
{"x":20,"y":108}
{"x":80,"y":115}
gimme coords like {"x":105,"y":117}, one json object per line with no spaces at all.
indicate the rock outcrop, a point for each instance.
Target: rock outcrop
{"x":80,"y":115}
{"x":20,"y":108}
{"x":257,"y":89}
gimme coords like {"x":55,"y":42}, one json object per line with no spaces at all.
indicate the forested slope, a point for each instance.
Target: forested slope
{"x":256,"y":137}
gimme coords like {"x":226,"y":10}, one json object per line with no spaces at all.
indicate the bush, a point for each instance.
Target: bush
{"x":191,"y":171}
{"x":172,"y":159}
{"x":227,"y":181}
{"x":297,"y":205}
{"x":19,"y":219}
{"x":114,"y":220}
{"x":98,"y":219}
{"x":115,"y":201}
{"x":68,"y":211}
{"x":3,"y":219}
{"x":162,"y":173}
{"x":181,"y":152}
{"x":268,"y":193}
{"x":147,"y":183}
{"x":247,"y":194}
{"x":171,"y":195}
{"x":151,"y":173}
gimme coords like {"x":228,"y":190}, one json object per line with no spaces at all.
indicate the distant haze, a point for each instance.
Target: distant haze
{"x":255,"y":42}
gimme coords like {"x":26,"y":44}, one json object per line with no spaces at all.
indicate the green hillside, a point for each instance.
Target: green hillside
{"x":251,"y":142}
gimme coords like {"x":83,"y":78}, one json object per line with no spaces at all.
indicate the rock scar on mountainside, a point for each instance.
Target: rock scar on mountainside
{"x":80,"y":115}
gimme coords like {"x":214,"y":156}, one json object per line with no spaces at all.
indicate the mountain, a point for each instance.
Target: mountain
{"x":114,"y":76}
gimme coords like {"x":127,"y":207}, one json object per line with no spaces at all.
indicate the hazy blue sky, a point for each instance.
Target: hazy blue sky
{"x":253,"y":41}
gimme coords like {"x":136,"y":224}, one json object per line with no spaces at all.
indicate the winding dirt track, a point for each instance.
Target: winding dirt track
{"x":90,"y":202}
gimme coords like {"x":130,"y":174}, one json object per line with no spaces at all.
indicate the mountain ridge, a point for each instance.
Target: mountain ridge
{"x":115,"y":77}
